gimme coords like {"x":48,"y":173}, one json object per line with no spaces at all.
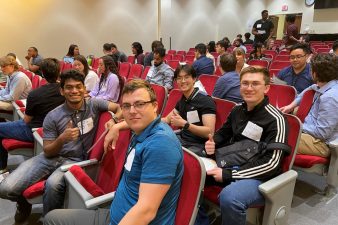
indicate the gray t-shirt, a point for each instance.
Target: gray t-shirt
{"x":86,"y":119}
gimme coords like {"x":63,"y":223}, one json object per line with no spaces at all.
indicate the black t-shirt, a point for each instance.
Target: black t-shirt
{"x":201,"y":104}
{"x":42,"y":100}
{"x":263,"y":27}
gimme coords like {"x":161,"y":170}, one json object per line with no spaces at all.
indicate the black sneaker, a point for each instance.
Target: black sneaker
{"x":23,"y":211}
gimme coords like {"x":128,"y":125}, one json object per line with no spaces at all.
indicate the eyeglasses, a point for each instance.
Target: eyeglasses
{"x":183,"y":78}
{"x":139,"y":105}
{"x":253,"y":85}
{"x":293,"y":57}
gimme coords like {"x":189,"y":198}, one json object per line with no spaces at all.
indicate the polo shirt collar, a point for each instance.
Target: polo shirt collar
{"x":70,"y":111}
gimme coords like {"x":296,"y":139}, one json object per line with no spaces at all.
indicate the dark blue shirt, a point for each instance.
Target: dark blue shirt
{"x":203,"y":65}
{"x":299,"y":81}
{"x":227,"y":87}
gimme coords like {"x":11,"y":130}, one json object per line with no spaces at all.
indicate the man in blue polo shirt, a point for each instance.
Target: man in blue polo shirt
{"x":299,"y":73}
{"x":203,"y":64}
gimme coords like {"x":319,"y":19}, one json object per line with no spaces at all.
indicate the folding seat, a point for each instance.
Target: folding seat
{"x":278,"y":191}
{"x":178,"y":57}
{"x":173,"y":63}
{"x":223,"y":109}
{"x":327,"y":167}
{"x":131,"y":59}
{"x":162,"y":97}
{"x":189,"y":58}
{"x":191,"y":50}
{"x":174,"y":96}
{"x":168,"y":57}
{"x":282,"y":58}
{"x":61,"y":64}
{"x":95,"y":63}
{"x":323,"y":50}
{"x":284,"y":52}
{"x":145,"y":72}
{"x":33,"y":194}
{"x":191,"y":189}
{"x":36,"y":82}
{"x":271,"y":52}
{"x":124,"y":69}
{"x":208,"y":82}
{"x":248,"y":45}
{"x":214,"y":54}
{"x":94,"y":185}
{"x":171,"y":52}
{"x":276,"y":66}
{"x":218,"y":71}
{"x":135,"y":71}
{"x":181,"y":52}
{"x":281,"y":95}
{"x":43,"y":82}
{"x":67,"y":66}
{"x":260,"y":63}
{"x":191,"y":53}
{"x":27,"y":72}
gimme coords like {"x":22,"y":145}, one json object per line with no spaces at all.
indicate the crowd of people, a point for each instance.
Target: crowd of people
{"x":68,"y":107}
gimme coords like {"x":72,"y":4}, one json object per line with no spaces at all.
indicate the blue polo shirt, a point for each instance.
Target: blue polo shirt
{"x":154,"y":156}
{"x":300,"y":81}
{"x":227,"y":87}
{"x":203,"y":65}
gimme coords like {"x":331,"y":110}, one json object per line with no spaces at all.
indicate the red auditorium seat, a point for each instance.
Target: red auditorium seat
{"x":208,"y":82}
{"x":281,"y":95}
{"x":135,"y":71}
{"x":161,"y":95}
{"x":124,"y":69}
{"x":173,"y":64}
{"x":145,"y":72}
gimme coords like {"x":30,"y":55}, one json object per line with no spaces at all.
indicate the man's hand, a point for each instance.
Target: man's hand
{"x":111,"y":138}
{"x":210,"y":145}
{"x":287,"y":108}
{"x":176,"y":120}
{"x":27,"y":57}
{"x":109,"y":124}
{"x":70,"y":133}
{"x":216,"y":173}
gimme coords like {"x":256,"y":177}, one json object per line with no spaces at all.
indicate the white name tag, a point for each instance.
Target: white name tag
{"x":253,"y":131}
{"x":85,"y":126}
{"x":259,"y":25}
{"x":130,"y":160}
{"x":192,"y":117}
{"x":261,"y":31}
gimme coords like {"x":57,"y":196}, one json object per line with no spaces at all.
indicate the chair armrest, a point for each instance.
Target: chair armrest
{"x":84,"y":163}
{"x":103,"y":199}
{"x":332,"y":176}
{"x":278,"y":193}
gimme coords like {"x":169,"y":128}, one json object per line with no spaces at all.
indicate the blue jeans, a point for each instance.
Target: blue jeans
{"x":32,"y":171}
{"x":16,"y":130}
{"x":236,"y":198}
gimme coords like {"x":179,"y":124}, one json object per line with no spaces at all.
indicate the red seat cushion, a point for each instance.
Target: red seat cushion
{"x":211,"y":193}
{"x":307,"y":161}
{"x":34,"y":190}
{"x":12,"y":144}
{"x":85,"y":181}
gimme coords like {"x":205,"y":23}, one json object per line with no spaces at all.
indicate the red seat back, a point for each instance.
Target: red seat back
{"x":171,"y":52}
{"x":181,"y":52}
{"x":145,"y":72}
{"x":124,"y":69}
{"x":281,"y":95}
{"x":135,"y":71}
{"x":131,"y":59}
{"x":43,"y":82}
{"x":223,"y":109}
{"x":95,"y":63}
{"x":208,"y":82}
{"x":174,"y":96}
{"x":282,"y":58}
{"x":67,"y":66}
{"x":161,"y":95}
{"x":305,"y":105}
{"x":191,"y":188}
{"x":180,"y":58}
{"x":173,"y":63}
{"x":35,"y":82}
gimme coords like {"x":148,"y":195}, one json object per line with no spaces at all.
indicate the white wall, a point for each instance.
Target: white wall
{"x":318,"y":21}
{"x":52,"y":26}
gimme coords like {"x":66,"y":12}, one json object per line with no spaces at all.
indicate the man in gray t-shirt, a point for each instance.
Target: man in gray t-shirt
{"x":68,"y":133}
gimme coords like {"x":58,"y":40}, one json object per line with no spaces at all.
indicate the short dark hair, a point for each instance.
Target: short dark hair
{"x":107,"y":46}
{"x":136,"y":84}
{"x":113,"y":45}
{"x":71,"y":74}
{"x":138,"y":47}
{"x":252,"y":69}
{"x":201,"y":48}
{"x":325,"y":66}
{"x":84,"y":62}
{"x":304,"y":46}
{"x":264,"y":11}
{"x":335,"y":45}
{"x":156,"y":44}
{"x":160,"y":51}
{"x":186,"y":68}
{"x":12,"y":54}
{"x":35,"y":49}
{"x":228,"y":62}
{"x":290,"y":18}
{"x":50,"y":69}
{"x":247,"y":35}
{"x":223,"y":44}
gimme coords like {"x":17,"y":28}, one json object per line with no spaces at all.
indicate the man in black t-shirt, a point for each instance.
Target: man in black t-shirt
{"x":39,"y":102}
{"x":263,"y":28}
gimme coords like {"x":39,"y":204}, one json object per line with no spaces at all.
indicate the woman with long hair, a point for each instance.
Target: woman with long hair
{"x":137,"y":50}
{"x":91,"y":78}
{"x":111,"y":83}
{"x":72,"y":52}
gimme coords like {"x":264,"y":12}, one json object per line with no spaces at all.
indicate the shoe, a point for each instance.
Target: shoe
{"x":23,"y":211}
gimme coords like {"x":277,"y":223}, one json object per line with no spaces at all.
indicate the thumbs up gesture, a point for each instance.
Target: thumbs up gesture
{"x":70,"y":133}
{"x":210,"y":145}
{"x":176,"y":120}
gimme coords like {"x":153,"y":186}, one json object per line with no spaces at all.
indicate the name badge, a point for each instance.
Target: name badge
{"x":259,"y":25}
{"x":192,"y":117}
{"x":86,"y":125}
{"x":253,"y":131}
{"x":130,"y":160}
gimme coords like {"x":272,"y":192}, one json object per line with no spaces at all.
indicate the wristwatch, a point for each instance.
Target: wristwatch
{"x":186,"y":126}
{"x":116,"y":120}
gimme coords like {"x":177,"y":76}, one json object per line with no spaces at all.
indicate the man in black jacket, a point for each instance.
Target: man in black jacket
{"x":257,"y":120}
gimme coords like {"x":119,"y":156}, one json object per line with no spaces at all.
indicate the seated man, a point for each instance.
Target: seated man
{"x":195,"y":113}
{"x":203,"y":64}
{"x":247,"y":39}
{"x":227,"y":86}
{"x":299,"y":73}
{"x":68,"y":131}
{"x":18,"y":84}
{"x":121,"y":56}
{"x":148,"y":191}
{"x":334,"y":49}
{"x":39,"y":102}
{"x":256,"y":120}
{"x":149,"y":58}
{"x":221,"y":48}
{"x":321,"y":124}
{"x":33,"y":60}
{"x":160,"y":73}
